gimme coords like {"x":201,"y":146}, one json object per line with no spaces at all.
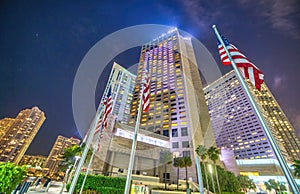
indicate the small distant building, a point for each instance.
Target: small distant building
{"x":54,"y":158}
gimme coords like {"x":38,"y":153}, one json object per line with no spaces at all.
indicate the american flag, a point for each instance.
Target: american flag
{"x":246,"y":67}
{"x":108,"y":102}
{"x":107,"y":110}
{"x":99,"y":128}
{"x":100,"y":136}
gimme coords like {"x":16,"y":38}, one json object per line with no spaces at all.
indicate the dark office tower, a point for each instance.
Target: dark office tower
{"x":177,"y":105}
{"x":19,"y":133}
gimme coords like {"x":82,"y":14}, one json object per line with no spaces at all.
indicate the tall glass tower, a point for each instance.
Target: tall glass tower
{"x":177,"y":105}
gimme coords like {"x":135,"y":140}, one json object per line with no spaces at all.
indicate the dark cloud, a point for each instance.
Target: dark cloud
{"x":281,"y":15}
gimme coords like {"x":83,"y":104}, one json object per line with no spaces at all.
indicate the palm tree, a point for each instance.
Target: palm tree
{"x":201,"y":151}
{"x":213,"y":154}
{"x":185,"y":163}
{"x":296,"y":166}
{"x":177,"y":163}
{"x":165,"y":159}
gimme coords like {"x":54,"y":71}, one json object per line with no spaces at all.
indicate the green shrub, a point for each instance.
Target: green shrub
{"x":68,"y":186}
{"x":102,"y":184}
{"x":10,"y":176}
{"x":110,"y":190}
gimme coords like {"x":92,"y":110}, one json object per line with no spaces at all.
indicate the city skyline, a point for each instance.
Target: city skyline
{"x":42,"y":45}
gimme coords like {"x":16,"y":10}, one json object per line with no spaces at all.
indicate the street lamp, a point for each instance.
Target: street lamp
{"x":210,"y":169}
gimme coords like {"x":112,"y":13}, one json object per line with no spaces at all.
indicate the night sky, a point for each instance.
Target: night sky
{"x":43,"y":42}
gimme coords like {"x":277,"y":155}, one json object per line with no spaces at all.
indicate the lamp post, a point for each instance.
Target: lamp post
{"x":210,"y":169}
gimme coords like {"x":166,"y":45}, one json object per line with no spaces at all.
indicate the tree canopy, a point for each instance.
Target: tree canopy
{"x":10,"y":176}
{"x":277,"y":186}
{"x":201,"y":151}
{"x":213,"y":153}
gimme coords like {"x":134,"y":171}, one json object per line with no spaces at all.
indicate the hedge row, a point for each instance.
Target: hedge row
{"x":102,"y":184}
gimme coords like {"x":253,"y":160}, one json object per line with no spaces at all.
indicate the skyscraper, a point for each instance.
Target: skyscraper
{"x":4,"y":125}
{"x":122,"y":82}
{"x":34,"y":161}
{"x":54,"y":158}
{"x":19,"y":134}
{"x":177,"y":104}
{"x":237,"y":127}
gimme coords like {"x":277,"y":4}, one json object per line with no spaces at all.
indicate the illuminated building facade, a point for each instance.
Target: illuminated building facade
{"x":33,"y":160}
{"x":115,"y":148}
{"x":54,"y":158}
{"x":237,"y":127}
{"x":19,"y":134}
{"x":122,"y":82}
{"x":115,"y":145}
{"x":177,"y":104}
{"x":282,"y":128}
{"x":4,"y":125}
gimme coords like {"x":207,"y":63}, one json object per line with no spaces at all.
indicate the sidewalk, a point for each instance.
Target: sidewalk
{"x":54,"y":188}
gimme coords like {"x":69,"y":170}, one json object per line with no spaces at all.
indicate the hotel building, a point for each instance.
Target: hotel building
{"x":115,"y":145}
{"x":19,"y":133}
{"x":237,"y":127}
{"x":177,"y":104}
{"x":55,"y":156}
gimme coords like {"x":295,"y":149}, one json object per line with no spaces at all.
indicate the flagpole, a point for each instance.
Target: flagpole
{"x":87,"y":170}
{"x":290,"y":179}
{"x":92,"y":157}
{"x":199,"y":173}
{"x":85,"y":151}
{"x":134,"y":142}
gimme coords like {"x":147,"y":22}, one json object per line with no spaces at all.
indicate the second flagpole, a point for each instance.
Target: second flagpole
{"x":290,"y":179}
{"x":134,"y":142}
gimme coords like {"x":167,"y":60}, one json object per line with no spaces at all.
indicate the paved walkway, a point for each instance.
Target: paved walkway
{"x":54,"y":188}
